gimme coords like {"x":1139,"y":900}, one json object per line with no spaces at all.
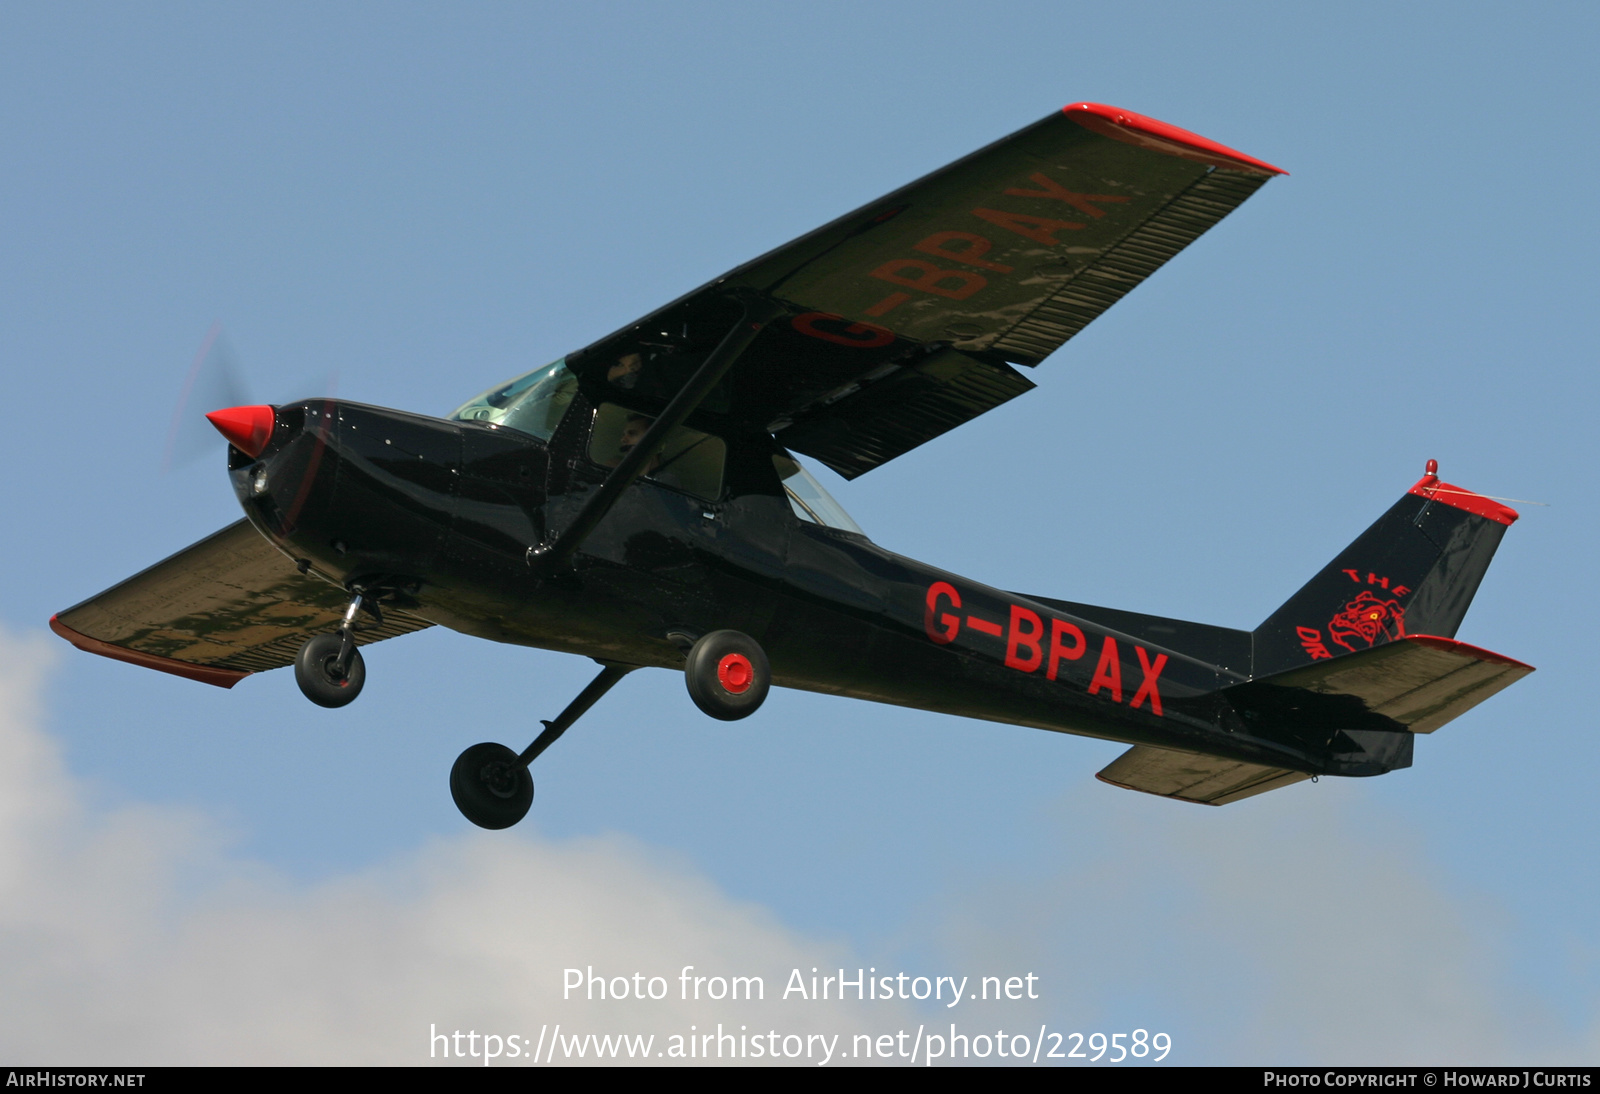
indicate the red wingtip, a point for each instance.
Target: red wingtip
{"x":1131,"y":128}
{"x":248,"y":428}
{"x":206,"y":674}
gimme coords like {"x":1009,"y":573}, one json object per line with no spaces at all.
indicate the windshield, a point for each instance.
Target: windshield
{"x":533,"y":403}
{"x":810,"y":502}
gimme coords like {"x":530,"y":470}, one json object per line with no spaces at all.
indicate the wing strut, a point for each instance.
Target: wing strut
{"x":758,"y":312}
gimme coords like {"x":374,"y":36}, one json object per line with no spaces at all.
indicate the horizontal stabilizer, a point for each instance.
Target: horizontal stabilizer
{"x":216,"y":611}
{"x":1420,"y":681}
{"x":1189,"y":777}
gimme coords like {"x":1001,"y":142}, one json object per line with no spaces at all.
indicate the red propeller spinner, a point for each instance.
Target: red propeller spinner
{"x":248,"y":428}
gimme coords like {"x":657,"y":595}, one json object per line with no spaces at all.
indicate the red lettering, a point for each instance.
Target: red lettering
{"x":1374,"y":579}
{"x":1080,"y":202}
{"x":1038,"y":229}
{"x":984,"y":625}
{"x":1353,"y":575}
{"x":888,"y":304}
{"x":1311,"y":640}
{"x":1400,"y":590}
{"x":933,"y":278}
{"x":1108,"y":673}
{"x":864,"y":335}
{"x":1060,"y":628}
{"x":1148,"y":689}
{"x":949,"y":625}
{"x":938,"y":245}
{"x":1020,"y":638}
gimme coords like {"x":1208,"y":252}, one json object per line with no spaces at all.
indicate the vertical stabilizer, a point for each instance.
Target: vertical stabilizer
{"x":1414,"y":571}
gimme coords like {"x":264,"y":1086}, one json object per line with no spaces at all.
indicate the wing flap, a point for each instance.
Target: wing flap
{"x":1190,"y":777}
{"x":860,"y":429}
{"x":216,"y":611}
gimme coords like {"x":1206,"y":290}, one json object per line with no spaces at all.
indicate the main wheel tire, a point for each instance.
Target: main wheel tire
{"x":316,"y":671}
{"x":490,"y":786}
{"x":728,"y":675}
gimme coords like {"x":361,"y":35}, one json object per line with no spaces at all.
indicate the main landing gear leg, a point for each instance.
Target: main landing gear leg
{"x":491,"y":784}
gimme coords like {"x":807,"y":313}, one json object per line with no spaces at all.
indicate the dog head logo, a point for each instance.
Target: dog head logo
{"x":1366,"y":620}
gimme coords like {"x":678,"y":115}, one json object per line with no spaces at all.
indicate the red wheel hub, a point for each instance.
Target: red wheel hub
{"x":735,"y":673}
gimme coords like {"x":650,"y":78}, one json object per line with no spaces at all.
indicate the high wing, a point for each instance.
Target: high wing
{"x":905,"y":318}
{"x":216,"y":611}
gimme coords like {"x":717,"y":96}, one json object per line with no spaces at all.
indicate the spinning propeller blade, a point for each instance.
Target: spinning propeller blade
{"x":215,"y":379}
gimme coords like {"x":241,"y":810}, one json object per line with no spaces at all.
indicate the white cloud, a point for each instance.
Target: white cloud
{"x":1299,"y":928}
{"x":1302,"y":927}
{"x":135,"y":937}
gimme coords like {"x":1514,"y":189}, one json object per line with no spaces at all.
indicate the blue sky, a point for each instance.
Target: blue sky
{"x":415,"y":201}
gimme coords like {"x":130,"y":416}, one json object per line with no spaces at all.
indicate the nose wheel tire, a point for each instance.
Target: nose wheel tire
{"x":316,"y":670}
{"x":491,"y":786}
{"x":728,"y":675}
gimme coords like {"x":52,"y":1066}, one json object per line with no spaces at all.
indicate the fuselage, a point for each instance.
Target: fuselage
{"x":441,"y":514}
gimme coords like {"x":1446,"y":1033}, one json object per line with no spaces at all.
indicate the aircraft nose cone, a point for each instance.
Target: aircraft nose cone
{"x":248,"y":428}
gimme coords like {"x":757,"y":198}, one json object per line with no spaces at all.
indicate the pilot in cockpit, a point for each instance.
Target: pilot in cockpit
{"x":633,"y":431}
{"x":625,"y":373}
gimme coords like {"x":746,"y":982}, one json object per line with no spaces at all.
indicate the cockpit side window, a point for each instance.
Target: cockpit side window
{"x":810,"y":502}
{"x":534,"y":402}
{"x":690,"y":461}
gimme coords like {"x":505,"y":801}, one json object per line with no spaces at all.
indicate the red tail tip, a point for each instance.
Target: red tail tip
{"x":1432,"y":468}
{"x":248,"y":428}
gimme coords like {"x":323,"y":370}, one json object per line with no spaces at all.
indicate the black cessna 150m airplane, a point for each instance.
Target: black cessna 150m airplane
{"x":637,"y":503}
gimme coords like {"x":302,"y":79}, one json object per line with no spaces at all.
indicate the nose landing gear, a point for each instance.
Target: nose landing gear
{"x":327,"y":675}
{"x":329,"y":668}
